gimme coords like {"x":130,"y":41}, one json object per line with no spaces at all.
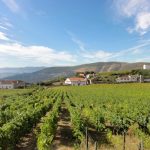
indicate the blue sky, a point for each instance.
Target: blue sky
{"x":72,"y":32}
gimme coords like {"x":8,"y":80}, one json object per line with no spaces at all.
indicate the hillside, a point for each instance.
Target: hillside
{"x":53,"y":72}
{"x":7,"y":72}
{"x":44,"y":74}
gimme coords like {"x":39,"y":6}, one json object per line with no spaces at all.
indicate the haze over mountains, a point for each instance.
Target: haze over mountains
{"x":36,"y":74}
{"x":6,"y":72}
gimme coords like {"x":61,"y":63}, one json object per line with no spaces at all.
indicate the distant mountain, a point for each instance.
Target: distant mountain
{"x":7,"y":72}
{"x":53,"y":72}
{"x":45,"y":74}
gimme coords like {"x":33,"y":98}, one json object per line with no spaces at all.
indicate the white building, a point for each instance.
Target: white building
{"x":76,"y":81}
{"x":146,"y":80}
{"x":11,"y":84}
{"x":128,"y":78}
{"x":146,"y":67}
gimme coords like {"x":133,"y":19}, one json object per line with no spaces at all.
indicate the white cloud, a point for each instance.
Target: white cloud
{"x":5,"y":23}
{"x":87,"y":55}
{"x":143,"y":22}
{"x":13,"y":53}
{"x":3,"y":36}
{"x":131,"y":8}
{"x":39,"y":55}
{"x":97,"y":55}
{"x":145,"y":59}
{"x":3,"y":27}
{"x":135,"y":52}
{"x":79,"y":43}
{"x":139,"y":10}
{"x":76,"y":40}
{"x":16,"y":54}
{"x":12,"y":5}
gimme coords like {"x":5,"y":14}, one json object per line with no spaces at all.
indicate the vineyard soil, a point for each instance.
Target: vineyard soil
{"x":63,"y":139}
{"x":28,"y":142}
{"x":63,"y":116}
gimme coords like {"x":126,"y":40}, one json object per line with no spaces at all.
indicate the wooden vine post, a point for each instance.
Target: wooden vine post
{"x":87,"y":140}
{"x":124,"y":140}
{"x":96,"y":145}
{"x":141,"y":145}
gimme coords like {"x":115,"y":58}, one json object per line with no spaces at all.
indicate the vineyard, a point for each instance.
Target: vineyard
{"x":95,"y":117}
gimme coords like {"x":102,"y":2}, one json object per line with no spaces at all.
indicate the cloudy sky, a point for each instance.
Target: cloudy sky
{"x":71,"y":32}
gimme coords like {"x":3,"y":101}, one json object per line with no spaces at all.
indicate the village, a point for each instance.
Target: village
{"x":81,"y":78}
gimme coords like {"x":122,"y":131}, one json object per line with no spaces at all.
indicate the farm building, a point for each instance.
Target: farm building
{"x":146,"y":80}
{"x":146,"y":67}
{"x":11,"y":84}
{"x":128,"y":78}
{"x":76,"y":81}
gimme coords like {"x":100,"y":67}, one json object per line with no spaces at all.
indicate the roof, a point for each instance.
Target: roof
{"x":10,"y":81}
{"x":77,"y":79}
{"x":81,"y":74}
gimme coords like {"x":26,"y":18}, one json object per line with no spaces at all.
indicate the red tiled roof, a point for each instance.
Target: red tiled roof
{"x":10,"y":81}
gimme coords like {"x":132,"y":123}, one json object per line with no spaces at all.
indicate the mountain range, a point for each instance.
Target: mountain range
{"x":7,"y":72}
{"x":37,"y":74}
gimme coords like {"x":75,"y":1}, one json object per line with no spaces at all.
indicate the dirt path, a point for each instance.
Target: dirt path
{"x":64,"y":137}
{"x":28,"y":142}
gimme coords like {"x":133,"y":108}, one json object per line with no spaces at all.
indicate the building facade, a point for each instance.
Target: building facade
{"x":11,"y":84}
{"x":128,"y":78}
{"x":76,"y":81}
{"x":146,"y":80}
{"x":146,"y":67}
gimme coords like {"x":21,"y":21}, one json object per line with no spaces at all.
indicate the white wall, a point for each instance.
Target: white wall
{"x":67,"y":81}
{"x":146,"y":66}
{"x":129,"y":79}
{"x":146,"y":80}
{"x":6,"y":86}
{"x":78,"y":82}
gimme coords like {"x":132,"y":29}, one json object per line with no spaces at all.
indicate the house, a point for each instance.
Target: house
{"x":128,"y":78}
{"x":146,"y":67}
{"x":146,"y":80}
{"x":11,"y":84}
{"x":76,"y":81}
